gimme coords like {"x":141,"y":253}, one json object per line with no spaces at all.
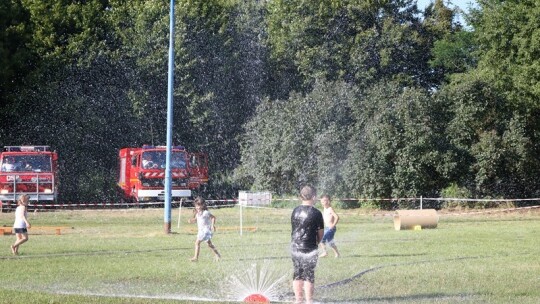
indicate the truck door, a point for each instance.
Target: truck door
{"x":198,"y":168}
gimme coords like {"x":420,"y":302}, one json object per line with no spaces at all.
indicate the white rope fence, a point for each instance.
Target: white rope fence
{"x":216,"y":203}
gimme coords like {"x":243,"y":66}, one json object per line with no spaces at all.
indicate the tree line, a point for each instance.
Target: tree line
{"x":359,"y":98}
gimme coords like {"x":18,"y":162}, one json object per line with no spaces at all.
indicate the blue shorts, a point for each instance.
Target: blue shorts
{"x":20,"y":230}
{"x":328,"y":236}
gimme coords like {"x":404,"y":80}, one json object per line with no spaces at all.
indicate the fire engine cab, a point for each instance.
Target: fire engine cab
{"x":28,"y":170}
{"x":142,"y":172}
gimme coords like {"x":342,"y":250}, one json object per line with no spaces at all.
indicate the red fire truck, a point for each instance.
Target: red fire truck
{"x":142,"y":172}
{"x":28,"y":170}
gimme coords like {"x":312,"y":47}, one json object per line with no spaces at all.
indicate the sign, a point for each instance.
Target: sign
{"x":248,"y":198}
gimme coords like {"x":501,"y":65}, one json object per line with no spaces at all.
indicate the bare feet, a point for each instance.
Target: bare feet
{"x":322,"y":255}
{"x":194,"y":259}
{"x":217,"y":257}
{"x":337,"y":255}
{"x":13,"y":249}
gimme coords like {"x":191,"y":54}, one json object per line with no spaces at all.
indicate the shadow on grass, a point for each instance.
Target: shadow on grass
{"x":389,"y":299}
{"x":265,"y":258}
{"x":391,"y":255}
{"x":89,"y":253}
{"x":361,"y":273}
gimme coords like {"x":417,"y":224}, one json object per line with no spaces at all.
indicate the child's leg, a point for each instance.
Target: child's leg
{"x":21,"y":238}
{"x":298,"y":288}
{"x":331,"y":243}
{"x":218,"y":256}
{"x":323,"y":250}
{"x":197,"y":249}
{"x":323,"y":242}
{"x":308,"y":291}
{"x":334,"y":248}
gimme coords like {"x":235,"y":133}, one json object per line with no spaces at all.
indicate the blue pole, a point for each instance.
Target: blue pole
{"x":168,"y":192}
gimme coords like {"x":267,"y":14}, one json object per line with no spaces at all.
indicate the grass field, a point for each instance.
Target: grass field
{"x":123,"y":256}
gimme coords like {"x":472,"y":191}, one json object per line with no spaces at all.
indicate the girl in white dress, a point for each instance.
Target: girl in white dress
{"x":206,"y":224}
{"x":21,"y":224}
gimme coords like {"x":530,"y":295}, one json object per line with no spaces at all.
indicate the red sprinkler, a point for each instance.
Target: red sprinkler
{"x":256,"y":299}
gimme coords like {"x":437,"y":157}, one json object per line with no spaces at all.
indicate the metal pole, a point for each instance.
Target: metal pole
{"x":168,"y":192}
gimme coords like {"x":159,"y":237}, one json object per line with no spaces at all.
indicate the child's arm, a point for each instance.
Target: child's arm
{"x":194,"y":218}
{"x":26,"y":221}
{"x":320,"y":234}
{"x":213,"y":219}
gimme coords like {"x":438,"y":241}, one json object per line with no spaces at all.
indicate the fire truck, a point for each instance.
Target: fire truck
{"x":28,"y":170}
{"x":142,"y":172}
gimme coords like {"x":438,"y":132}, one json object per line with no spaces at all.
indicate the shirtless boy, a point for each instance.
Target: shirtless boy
{"x":330,"y":221}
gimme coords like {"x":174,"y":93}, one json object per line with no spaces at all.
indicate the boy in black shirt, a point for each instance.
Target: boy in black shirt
{"x":307,"y":231}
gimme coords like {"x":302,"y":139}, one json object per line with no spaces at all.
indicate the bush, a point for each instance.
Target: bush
{"x":348,"y":204}
{"x":284,"y":203}
{"x":454,"y":191}
{"x":368,"y":205}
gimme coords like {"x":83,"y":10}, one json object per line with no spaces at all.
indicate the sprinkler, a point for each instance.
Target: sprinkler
{"x":256,"y":299}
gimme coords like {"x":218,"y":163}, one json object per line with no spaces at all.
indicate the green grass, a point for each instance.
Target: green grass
{"x":123,"y":256}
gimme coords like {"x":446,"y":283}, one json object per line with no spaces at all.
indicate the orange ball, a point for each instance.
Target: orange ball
{"x":256,"y":299}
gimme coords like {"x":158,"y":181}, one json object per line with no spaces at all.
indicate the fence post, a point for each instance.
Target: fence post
{"x":180,"y":211}
{"x":241,"y":218}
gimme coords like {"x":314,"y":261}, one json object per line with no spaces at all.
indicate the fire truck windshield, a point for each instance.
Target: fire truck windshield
{"x":156,"y":160}
{"x":33,"y":163}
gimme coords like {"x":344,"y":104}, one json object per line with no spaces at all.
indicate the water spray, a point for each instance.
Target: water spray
{"x":257,"y":284}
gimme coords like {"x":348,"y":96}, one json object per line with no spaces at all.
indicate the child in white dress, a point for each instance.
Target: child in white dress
{"x":206,"y":224}
{"x":21,"y":224}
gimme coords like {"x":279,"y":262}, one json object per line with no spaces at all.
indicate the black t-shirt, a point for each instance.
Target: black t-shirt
{"x":306,"y":222}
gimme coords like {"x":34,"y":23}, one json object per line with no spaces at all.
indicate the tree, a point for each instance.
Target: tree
{"x":14,"y":35}
{"x":300,"y":140}
{"x":454,"y":53}
{"x":82,"y":114}
{"x":76,"y":98}
{"x":397,"y":148}
{"x":15,"y":57}
{"x":355,"y":41}
{"x":494,"y":152}
{"x":140,"y":35}
{"x":452,"y":46}
{"x":64,"y":30}
{"x":509,"y":40}
{"x":219,"y":58}
{"x":495,"y":105}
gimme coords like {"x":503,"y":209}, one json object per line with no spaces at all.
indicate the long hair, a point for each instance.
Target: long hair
{"x":199,"y":201}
